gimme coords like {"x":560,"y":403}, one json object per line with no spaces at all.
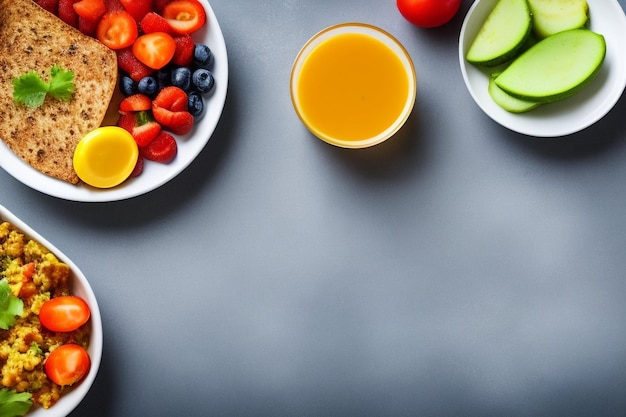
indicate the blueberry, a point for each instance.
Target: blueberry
{"x":203,"y":80}
{"x":202,"y":56}
{"x":195,"y":104}
{"x":128,"y":86}
{"x":164,"y":77}
{"x":148,"y":86}
{"x":181,"y":78}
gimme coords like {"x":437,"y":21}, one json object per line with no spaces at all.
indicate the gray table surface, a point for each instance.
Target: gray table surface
{"x":460,"y":269}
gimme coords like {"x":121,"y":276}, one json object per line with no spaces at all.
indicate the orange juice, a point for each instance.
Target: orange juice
{"x":353,"y":88}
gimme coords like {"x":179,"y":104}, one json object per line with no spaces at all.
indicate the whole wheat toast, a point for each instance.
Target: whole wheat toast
{"x":32,"y":39}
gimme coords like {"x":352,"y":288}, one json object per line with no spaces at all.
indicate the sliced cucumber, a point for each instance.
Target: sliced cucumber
{"x":507,"y":101}
{"x":553,"y":16}
{"x":556,"y":67}
{"x":502,"y":35}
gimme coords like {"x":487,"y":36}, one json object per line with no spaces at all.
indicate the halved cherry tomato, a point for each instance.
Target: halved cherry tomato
{"x":117,"y":29}
{"x":154,"y":49}
{"x":67,"y":364}
{"x":64,"y":314}
{"x":184,"y":16}
{"x":428,"y":13}
{"x":137,"y":8}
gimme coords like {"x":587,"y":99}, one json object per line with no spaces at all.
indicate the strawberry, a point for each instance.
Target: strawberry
{"x":153,"y":22}
{"x":159,"y":5}
{"x":184,"y":16}
{"x":91,"y":10}
{"x":138,"y":167}
{"x":127,"y":61}
{"x":171,"y":98}
{"x":139,"y":124}
{"x":137,"y":8}
{"x":49,"y":5}
{"x":113,"y":5}
{"x":162,"y":149}
{"x":177,"y":122}
{"x":136,"y":102}
{"x":67,"y":13}
{"x":87,"y":27}
{"x":183,"y":55}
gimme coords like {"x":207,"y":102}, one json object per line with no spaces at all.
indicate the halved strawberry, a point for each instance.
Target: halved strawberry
{"x":153,"y":22}
{"x":87,"y":27}
{"x":49,"y":5}
{"x":183,"y":56}
{"x":91,"y":10}
{"x":177,"y":122}
{"x":113,"y":5}
{"x":137,"y":8}
{"x":162,"y":149}
{"x":159,"y":5}
{"x":139,"y":124}
{"x":127,"y":61}
{"x":136,"y":102}
{"x":184,"y":16}
{"x":67,"y":13}
{"x":138,"y":167}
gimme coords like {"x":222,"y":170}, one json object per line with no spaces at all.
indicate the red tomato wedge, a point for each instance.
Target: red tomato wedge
{"x":64,"y":314}
{"x":67,"y":364}
{"x":117,"y":29}
{"x":154,"y":49}
{"x":184,"y":16}
{"x":91,"y":10}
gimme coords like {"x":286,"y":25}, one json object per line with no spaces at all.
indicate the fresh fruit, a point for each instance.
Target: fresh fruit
{"x":128,"y":62}
{"x":507,"y":101}
{"x":138,"y":167}
{"x":140,"y":125}
{"x":556,"y":67}
{"x":153,"y":22}
{"x":154,"y":49}
{"x":105,"y":157}
{"x":184,"y":16}
{"x":137,"y":8}
{"x":148,"y":86}
{"x":428,"y":13}
{"x":117,"y":30}
{"x":181,"y":78}
{"x":203,"y":80}
{"x":502,"y":35}
{"x":195,"y":104}
{"x":67,"y":364}
{"x":185,"y":46}
{"x":162,"y":149}
{"x":136,"y":102}
{"x":67,"y":13}
{"x":49,"y":5}
{"x":171,"y":98}
{"x":64,"y":314}
{"x":553,"y":16}
{"x":128,"y":86}
{"x":91,"y":10}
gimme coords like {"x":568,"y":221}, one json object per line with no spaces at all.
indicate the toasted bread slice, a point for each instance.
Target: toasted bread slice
{"x":32,"y":39}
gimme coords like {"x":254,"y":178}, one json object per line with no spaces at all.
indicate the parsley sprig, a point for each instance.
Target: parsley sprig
{"x":14,"y":404}
{"x":30,"y":90}
{"x":10,"y":306}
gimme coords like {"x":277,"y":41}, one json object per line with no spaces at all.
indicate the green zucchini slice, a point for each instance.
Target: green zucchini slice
{"x":556,"y":67}
{"x":554,"y":16}
{"x":502,"y":35}
{"x":507,"y":101}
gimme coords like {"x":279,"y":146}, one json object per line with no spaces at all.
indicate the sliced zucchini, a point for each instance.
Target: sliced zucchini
{"x":554,"y":16}
{"x":507,"y":101}
{"x":556,"y":67}
{"x":502,"y":35}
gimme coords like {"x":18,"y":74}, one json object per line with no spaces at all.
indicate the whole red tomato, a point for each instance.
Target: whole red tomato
{"x":428,"y":13}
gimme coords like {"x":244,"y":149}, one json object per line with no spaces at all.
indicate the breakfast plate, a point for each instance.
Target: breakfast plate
{"x":568,"y":116}
{"x":79,"y":287}
{"x":154,"y":174}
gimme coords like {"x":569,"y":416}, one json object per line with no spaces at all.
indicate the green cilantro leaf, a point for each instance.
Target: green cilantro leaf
{"x":61,"y":84}
{"x":13,"y":404}
{"x":30,"y":90}
{"x":10,"y":306}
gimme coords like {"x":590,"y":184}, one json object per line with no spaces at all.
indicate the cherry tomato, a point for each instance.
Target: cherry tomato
{"x":428,"y":13}
{"x":154,"y":49}
{"x":117,"y":29}
{"x":67,"y":364}
{"x":184,"y":16}
{"x":64,"y":314}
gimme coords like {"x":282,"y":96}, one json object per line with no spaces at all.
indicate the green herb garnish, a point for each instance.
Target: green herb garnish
{"x":10,"y":306}
{"x":31,"y":90}
{"x":13,"y":404}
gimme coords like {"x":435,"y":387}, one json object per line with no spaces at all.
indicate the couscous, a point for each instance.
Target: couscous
{"x":29,"y":276}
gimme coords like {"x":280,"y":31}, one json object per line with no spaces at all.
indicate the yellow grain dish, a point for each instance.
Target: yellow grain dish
{"x":34,"y":275}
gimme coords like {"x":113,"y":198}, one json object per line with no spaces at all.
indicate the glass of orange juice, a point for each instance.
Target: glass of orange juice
{"x":353,"y":85}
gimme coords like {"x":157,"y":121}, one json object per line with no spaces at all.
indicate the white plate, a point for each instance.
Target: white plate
{"x":573,"y":114}
{"x":154,"y":174}
{"x":81,"y":288}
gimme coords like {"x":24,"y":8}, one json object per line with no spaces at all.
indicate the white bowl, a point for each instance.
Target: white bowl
{"x":570,"y":115}
{"x":81,"y":288}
